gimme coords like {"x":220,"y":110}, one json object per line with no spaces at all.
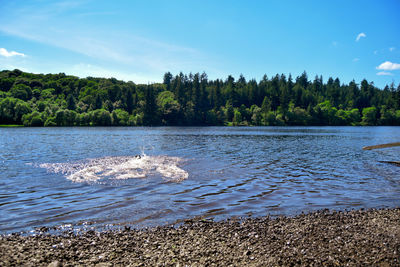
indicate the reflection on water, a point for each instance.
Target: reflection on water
{"x":59,"y":176}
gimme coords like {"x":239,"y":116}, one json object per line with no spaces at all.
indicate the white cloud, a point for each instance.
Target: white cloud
{"x":5,"y":53}
{"x":388,"y":66}
{"x":384,"y":73}
{"x":114,"y":50}
{"x":360,"y":35}
{"x":356,"y":59}
{"x":135,"y":52}
{"x":391,"y":49}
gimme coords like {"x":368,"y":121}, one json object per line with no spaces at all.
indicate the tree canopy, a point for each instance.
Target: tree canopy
{"x":193,"y":99}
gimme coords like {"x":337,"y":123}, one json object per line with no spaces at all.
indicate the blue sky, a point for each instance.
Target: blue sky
{"x":141,"y":40}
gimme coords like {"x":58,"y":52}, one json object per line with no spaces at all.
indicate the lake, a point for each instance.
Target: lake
{"x":112,"y":177}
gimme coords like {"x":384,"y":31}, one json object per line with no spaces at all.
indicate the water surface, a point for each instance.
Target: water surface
{"x":58,"y":176}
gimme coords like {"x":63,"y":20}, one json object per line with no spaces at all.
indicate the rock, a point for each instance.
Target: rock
{"x":54,"y":264}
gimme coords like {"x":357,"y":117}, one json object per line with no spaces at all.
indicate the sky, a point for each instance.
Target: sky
{"x":141,"y":40}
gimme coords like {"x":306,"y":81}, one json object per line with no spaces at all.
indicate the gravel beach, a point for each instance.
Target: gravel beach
{"x":350,"y":238}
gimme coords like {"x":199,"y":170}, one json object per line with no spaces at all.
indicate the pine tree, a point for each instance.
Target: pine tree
{"x":167,"y":80}
{"x":149,"y":116}
{"x":129,"y":101}
{"x":196,"y":98}
{"x":218,"y":96}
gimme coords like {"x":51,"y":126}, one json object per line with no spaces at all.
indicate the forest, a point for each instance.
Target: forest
{"x":192,"y":99}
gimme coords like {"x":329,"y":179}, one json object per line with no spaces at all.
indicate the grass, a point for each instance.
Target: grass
{"x":11,"y":125}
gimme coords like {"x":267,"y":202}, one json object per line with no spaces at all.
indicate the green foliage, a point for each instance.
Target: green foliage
{"x":12,"y":110}
{"x":120,"y":117}
{"x":33,"y":119}
{"x":388,"y":117}
{"x":212,"y":117}
{"x":237,"y":117}
{"x":6,"y":84}
{"x":60,"y":119}
{"x":71,"y":105}
{"x":50,"y":122}
{"x":369,"y":116}
{"x":100,"y":117}
{"x":299,"y":116}
{"x":61,"y":100}
{"x":256,"y":117}
{"x":150,"y":107}
{"x":21,"y":91}
{"x":47,"y":93}
{"x":169,"y":108}
{"x":229,"y":111}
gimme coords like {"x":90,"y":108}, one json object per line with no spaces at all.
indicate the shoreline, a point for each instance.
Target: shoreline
{"x":356,"y":237}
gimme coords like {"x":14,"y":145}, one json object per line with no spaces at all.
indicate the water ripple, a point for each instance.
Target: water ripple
{"x":70,"y":176}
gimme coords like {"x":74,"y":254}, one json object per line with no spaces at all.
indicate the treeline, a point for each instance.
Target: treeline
{"x":62,"y":100}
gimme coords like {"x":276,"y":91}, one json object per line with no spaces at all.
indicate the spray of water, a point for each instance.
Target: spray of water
{"x":125,"y":167}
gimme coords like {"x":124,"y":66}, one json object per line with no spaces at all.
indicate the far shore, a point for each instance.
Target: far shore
{"x":11,"y":125}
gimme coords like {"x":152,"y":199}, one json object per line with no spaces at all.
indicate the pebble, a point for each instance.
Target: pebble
{"x":354,"y":238}
{"x":54,"y":264}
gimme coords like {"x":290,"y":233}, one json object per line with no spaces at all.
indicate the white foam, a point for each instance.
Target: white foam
{"x":92,"y":170}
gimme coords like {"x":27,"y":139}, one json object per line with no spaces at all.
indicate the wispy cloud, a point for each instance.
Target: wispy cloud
{"x":5,"y":53}
{"x":391,"y":49}
{"x":131,"y":49}
{"x":360,"y":35}
{"x":384,"y":73}
{"x":356,"y":59}
{"x":387,"y":65}
{"x":52,"y":25}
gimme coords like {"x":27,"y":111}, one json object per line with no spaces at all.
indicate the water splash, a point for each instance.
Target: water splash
{"x":123,"y":167}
